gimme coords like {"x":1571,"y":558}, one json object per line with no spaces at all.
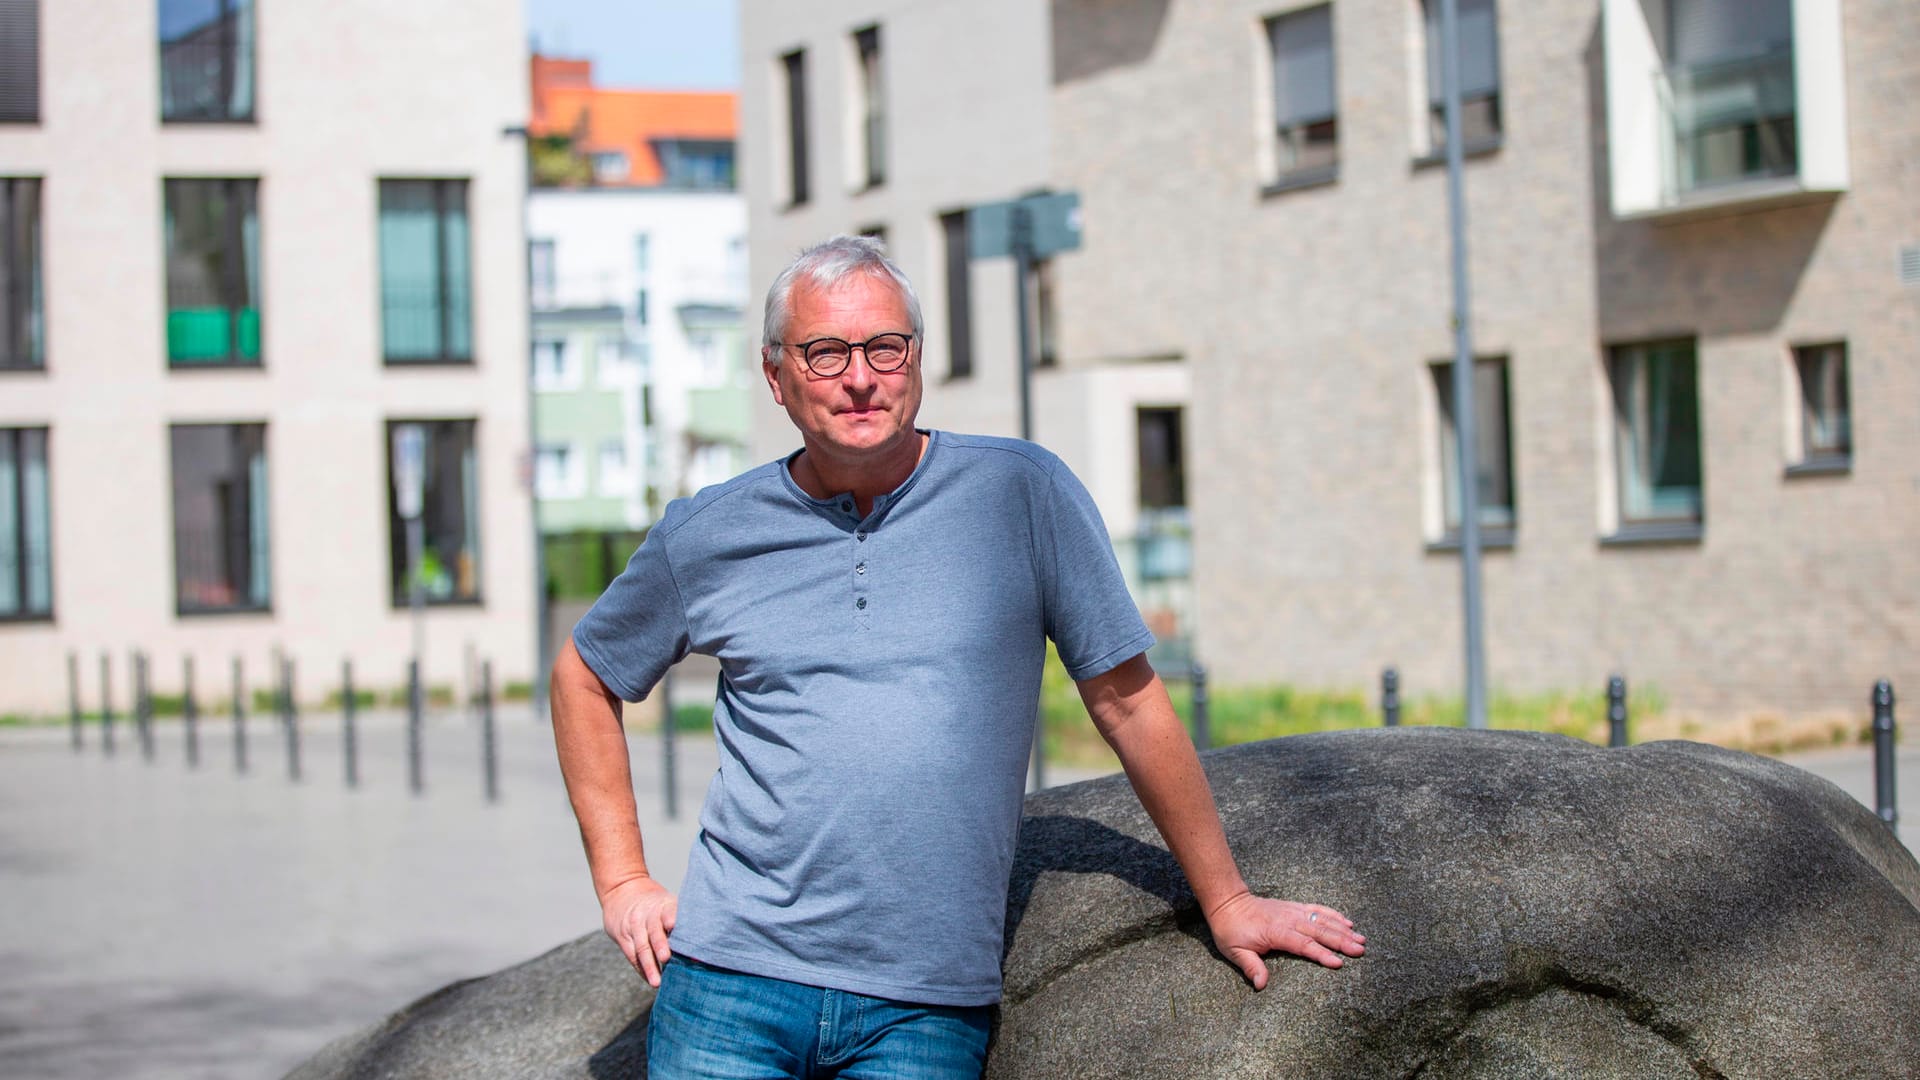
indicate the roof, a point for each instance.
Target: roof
{"x":565,"y":101}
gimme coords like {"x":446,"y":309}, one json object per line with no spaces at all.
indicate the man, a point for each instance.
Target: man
{"x":879,"y":604}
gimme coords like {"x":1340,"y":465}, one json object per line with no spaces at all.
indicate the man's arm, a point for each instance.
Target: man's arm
{"x":636,"y":911}
{"x":1130,"y":707}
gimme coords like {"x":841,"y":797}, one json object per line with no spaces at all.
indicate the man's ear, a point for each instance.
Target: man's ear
{"x":771,"y":370}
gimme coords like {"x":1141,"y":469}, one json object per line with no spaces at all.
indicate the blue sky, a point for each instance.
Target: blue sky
{"x":651,"y":44}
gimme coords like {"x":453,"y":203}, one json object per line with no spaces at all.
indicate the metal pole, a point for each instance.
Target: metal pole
{"x":542,"y":617}
{"x":1202,"y":721}
{"x":190,"y":714}
{"x":1616,"y":711}
{"x":416,"y":780}
{"x":1464,"y":428}
{"x":292,"y":720}
{"x":1390,"y":698}
{"x":106,"y":704}
{"x":349,"y":743}
{"x":669,"y":761}
{"x":143,"y":705}
{"x":73,"y":697}
{"x":1883,"y":753}
{"x":489,"y":752}
{"x":416,"y":589}
{"x":239,"y":720}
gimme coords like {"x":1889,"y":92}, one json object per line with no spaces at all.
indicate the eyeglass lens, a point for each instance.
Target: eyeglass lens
{"x":830,"y":356}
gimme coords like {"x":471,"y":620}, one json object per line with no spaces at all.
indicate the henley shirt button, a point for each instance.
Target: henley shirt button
{"x":860,"y":536}
{"x":847,"y":507}
{"x":860,"y":603}
{"x":861,"y":569}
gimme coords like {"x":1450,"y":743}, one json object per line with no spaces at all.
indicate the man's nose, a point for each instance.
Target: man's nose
{"x":859,"y":373}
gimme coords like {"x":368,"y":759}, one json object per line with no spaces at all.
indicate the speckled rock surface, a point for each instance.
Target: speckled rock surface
{"x":1534,"y":906}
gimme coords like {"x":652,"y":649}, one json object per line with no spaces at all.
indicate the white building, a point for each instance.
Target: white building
{"x":244,"y":240}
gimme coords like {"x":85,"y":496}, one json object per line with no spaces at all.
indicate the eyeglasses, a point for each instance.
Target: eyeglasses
{"x":829,"y":356}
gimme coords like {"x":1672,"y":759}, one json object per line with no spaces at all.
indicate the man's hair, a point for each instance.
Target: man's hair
{"x":825,"y":265}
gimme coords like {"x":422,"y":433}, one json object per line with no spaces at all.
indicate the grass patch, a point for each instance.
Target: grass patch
{"x":517,"y":690}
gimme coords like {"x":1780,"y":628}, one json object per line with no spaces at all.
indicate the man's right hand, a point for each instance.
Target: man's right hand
{"x":638,"y":915}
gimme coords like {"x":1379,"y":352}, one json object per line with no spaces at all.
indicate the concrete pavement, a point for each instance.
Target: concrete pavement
{"x":166,"y":922}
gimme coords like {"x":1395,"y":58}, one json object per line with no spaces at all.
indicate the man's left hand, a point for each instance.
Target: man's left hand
{"x":1246,"y":927}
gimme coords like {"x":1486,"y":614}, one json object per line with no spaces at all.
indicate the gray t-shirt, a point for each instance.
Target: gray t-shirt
{"x":876,"y":704}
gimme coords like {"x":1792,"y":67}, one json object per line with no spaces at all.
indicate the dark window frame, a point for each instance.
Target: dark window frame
{"x":23,"y":325}
{"x":1306,"y":130}
{"x":1834,"y":455}
{"x":20,"y":57}
{"x":237,"y":432}
{"x":444,"y":200}
{"x":1436,"y":99}
{"x":1161,"y":485}
{"x":1500,"y":531}
{"x":17,"y":453}
{"x":437,"y":429}
{"x":238,"y":282}
{"x":794,"y":65}
{"x":1653,"y":527}
{"x":873,"y":106}
{"x":227,"y":57}
{"x":959,"y":258}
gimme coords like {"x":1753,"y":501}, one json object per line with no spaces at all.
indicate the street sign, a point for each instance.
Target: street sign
{"x":409,"y":468}
{"x":1052,"y":222}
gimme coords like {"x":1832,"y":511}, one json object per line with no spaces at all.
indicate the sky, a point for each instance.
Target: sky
{"x":651,"y":44}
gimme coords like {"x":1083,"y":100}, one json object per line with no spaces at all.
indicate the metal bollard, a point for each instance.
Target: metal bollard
{"x":1390,"y":698}
{"x":1883,"y":753}
{"x":1202,"y":720}
{"x":143,"y":704}
{"x":1616,"y":711}
{"x":290,"y":719}
{"x":349,"y":741}
{"x":106,"y":704}
{"x":416,"y":778}
{"x":489,"y":752}
{"x":239,"y":720}
{"x":73,"y":697}
{"x":669,"y":761}
{"x":190,"y":714}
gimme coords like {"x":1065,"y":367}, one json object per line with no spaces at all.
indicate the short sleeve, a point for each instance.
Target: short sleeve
{"x":638,"y":627}
{"x":1090,"y":616}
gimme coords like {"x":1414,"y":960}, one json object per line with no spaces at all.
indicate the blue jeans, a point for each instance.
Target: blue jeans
{"x":712,"y":1022}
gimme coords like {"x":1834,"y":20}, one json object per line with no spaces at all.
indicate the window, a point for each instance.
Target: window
{"x":553,"y":366}
{"x":610,"y":363}
{"x":1730,"y":80}
{"x":708,"y":360}
{"x":558,"y":472}
{"x":953,"y":232}
{"x":206,"y":60}
{"x":1046,"y":315}
{"x":425,"y":307}
{"x":794,"y":69}
{"x":642,"y":268}
{"x":701,"y":164}
{"x":1163,"y":474}
{"x":614,"y":479}
{"x":542,"y":273}
{"x":220,"y":550}
{"x":213,"y":272}
{"x":610,"y":166}
{"x":1492,"y":447}
{"x":1826,"y":424}
{"x":1479,"y":76}
{"x":22,"y":329}
{"x":872,"y":118}
{"x":26,"y":548}
{"x":19,"y":61}
{"x":449,"y":516}
{"x":1656,"y":413}
{"x":875,"y":232}
{"x":1305,"y":120}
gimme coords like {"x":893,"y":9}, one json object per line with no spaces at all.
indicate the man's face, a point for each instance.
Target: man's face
{"x":859,"y":414}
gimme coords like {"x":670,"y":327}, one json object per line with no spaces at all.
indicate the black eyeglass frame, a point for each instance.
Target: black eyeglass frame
{"x":806,"y":350}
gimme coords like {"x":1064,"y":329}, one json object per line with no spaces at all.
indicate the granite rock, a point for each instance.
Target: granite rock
{"x":1534,"y":907}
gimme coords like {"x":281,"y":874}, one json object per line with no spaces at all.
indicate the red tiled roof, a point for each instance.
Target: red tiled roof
{"x":566,"y":101}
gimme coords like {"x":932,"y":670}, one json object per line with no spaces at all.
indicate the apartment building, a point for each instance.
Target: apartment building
{"x":1694,"y":249}
{"x":245,"y":242}
{"x":639,"y":279}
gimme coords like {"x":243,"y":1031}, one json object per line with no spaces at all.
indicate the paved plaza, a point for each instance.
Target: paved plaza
{"x":163,"y":921}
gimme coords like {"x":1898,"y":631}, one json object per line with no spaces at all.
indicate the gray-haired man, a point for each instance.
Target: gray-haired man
{"x":879,"y":603}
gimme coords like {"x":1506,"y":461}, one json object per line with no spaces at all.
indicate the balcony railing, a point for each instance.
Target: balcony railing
{"x":1727,"y":121}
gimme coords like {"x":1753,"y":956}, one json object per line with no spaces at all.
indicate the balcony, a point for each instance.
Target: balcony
{"x":1760,"y":124}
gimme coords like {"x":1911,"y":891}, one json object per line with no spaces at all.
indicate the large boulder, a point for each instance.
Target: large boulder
{"x":1534,"y":907}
